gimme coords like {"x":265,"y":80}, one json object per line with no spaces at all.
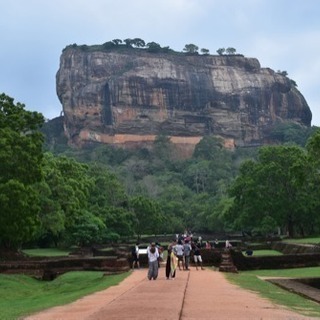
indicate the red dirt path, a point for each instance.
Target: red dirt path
{"x":197,"y":295}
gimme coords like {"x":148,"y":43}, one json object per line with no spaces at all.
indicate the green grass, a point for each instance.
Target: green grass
{"x":258,"y":253}
{"x":314,"y":240}
{"x":106,"y":249}
{"x":22,"y":295}
{"x":250,"y":280}
{"x":46,"y":252}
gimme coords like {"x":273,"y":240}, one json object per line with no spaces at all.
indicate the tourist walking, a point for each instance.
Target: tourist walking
{"x":178,"y":250}
{"x":160,"y":250}
{"x":186,"y":253}
{"x":153,"y":255}
{"x":135,"y":256}
{"x":197,"y":255}
{"x":171,"y":263}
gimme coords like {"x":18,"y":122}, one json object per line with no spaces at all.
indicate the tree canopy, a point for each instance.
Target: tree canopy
{"x":20,"y":168}
{"x":274,"y":191}
{"x":191,"y":48}
{"x":102,"y":193}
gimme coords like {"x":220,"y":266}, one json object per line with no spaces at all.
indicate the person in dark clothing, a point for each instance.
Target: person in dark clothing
{"x":197,"y":255}
{"x":135,"y":256}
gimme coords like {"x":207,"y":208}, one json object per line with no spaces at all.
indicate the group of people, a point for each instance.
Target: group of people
{"x":178,"y":256}
{"x":179,"y":253}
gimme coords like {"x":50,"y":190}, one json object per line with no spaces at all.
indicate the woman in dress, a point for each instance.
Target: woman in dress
{"x":171,"y":263}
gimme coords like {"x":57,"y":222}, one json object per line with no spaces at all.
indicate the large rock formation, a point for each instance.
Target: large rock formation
{"x":128,"y":96}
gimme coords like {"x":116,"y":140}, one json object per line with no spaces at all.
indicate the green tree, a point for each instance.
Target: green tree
{"x":221,"y":51}
{"x":109,"y":201}
{"x":173,"y":214}
{"x":108,"y":45}
{"x":128,"y":42}
{"x":208,"y":148}
{"x":153,"y":47}
{"x":197,"y":175}
{"x":205,"y":51}
{"x":19,"y":207}
{"x":166,"y":49}
{"x":20,"y":142}
{"x":64,"y":195}
{"x":284,"y":73}
{"x":119,"y":221}
{"x":52,"y":217}
{"x":88,"y":229}
{"x":286,"y":132}
{"x":313,"y":149}
{"x":214,"y":165}
{"x":117,"y":41}
{"x":20,"y":168}
{"x":148,"y":215}
{"x":231,"y":51}
{"x":216,"y":219}
{"x":191,"y":48}
{"x":137,"y":42}
{"x":106,"y":189}
{"x":273,"y":188}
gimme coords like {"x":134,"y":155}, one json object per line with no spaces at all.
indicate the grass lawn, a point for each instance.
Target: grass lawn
{"x":258,"y":253}
{"x":250,"y":280}
{"x":314,"y":240}
{"x":46,"y":252}
{"x":22,"y":295}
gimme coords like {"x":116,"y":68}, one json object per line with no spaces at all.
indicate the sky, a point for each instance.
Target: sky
{"x":282,"y":34}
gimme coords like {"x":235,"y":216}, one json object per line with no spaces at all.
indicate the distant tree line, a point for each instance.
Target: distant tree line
{"x":229,"y":51}
{"x":153,"y":47}
{"x":99,"y":194}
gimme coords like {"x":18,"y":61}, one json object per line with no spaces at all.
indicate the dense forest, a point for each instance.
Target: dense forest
{"x":55,"y":195}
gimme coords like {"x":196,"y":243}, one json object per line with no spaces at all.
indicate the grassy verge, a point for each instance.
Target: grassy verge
{"x":314,"y":240}
{"x":250,"y":280}
{"x":22,"y":295}
{"x":258,"y":253}
{"x":46,"y":252}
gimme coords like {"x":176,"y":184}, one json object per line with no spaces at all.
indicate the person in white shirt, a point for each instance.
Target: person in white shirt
{"x":153,"y":255}
{"x":228,"y":244}
{"x":178,"y":249}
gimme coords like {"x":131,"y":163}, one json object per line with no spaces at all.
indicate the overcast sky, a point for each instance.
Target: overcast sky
{"x":282,"y":34}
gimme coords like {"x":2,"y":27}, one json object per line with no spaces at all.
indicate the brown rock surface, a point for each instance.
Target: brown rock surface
{"x":202,"y":294}
{"x":122,"y":96}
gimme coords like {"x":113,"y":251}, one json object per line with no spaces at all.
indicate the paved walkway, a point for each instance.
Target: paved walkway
{"x":196,"y":295}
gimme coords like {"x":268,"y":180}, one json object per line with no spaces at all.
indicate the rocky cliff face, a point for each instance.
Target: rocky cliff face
{"x":130,"y":96}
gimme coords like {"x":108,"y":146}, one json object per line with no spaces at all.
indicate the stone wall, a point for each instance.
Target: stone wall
{"x":275,"y":262}
{"x":213,"y":258}
{"x":293,"y":248}
{"x":48,"y":269}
